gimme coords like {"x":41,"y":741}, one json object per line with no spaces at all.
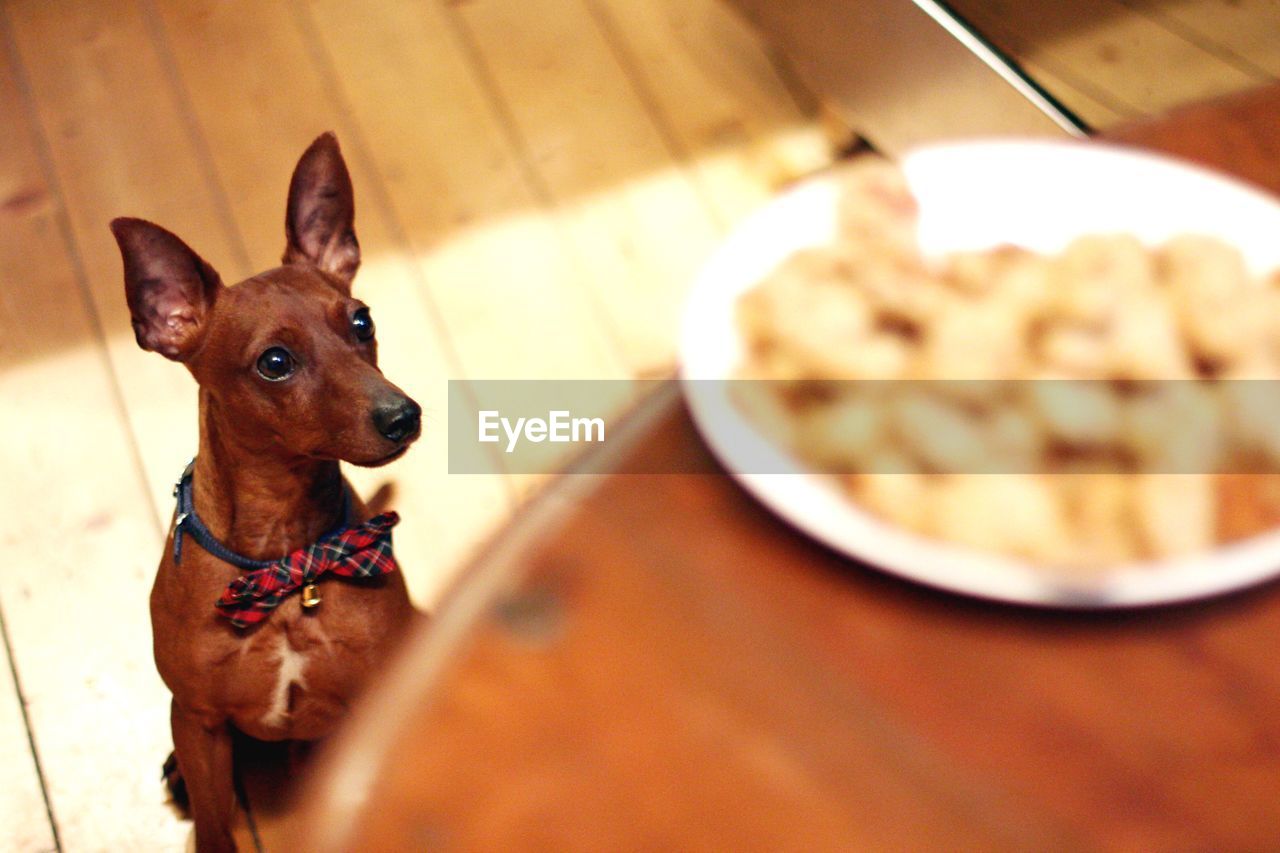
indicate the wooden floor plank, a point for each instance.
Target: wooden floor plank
{"x":22,"y":806}
{"x":119,"y":145}
{"x":1093,"y":106}
{"x":1133,"y":60}
{"x":1097,"y":108}
{"x":495,"y":266}
{"x":259,"y":102}
{"x":712,"y":89}
{"x":638,"y":228}
{"x":1243,"y":31}
{"x":494,"y":261}
{"x":77,"y":525}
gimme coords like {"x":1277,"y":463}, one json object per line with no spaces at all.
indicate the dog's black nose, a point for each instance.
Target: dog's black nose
{"x":398,"y":419}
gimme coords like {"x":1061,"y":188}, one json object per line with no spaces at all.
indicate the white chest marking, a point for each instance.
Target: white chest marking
{"x":291,"y":666}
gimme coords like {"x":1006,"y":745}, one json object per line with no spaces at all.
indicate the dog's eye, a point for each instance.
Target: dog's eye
{"x":362,"y":324}
{"x":276,"y":364}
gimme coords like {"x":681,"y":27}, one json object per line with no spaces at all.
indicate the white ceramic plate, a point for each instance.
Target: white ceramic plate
{"x":975,"y":195}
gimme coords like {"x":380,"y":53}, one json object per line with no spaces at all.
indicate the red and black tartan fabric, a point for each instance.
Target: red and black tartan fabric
{"x":363,"y":551}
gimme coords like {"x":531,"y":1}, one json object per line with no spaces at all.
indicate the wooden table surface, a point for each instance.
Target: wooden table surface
{"x":657,"y":662}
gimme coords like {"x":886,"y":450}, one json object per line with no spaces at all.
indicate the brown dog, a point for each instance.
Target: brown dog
{"x":289,"y":384}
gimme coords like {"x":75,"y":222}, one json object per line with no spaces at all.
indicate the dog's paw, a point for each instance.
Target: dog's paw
{"x":173,"y":780}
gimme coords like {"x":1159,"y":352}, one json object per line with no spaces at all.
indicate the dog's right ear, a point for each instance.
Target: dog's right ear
{"x":319,"y":222}
{"x":169,"y":287}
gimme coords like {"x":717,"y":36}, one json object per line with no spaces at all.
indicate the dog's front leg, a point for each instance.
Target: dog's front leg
{"x":203,"y":748}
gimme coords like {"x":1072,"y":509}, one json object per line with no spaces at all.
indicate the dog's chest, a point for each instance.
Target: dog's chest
{"x":294,"y":676}
{"x":286,"y":669}
{"x":289,"y":682}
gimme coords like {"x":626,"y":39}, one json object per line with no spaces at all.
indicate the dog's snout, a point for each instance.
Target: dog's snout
{"x":398,"y":419}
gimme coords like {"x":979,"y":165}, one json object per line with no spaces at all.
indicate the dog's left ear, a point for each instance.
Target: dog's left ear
{"x":170,"y":289}
{"x":319,"y":223}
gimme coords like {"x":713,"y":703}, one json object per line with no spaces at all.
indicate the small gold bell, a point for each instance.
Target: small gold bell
{"x":310,"y":596}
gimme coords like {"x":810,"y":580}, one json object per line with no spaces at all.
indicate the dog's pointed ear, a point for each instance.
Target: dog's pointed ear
{"x":169,"y":287}
{"x":319,"y":223}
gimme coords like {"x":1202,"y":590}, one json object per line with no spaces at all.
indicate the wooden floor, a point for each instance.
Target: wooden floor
{"x":1115,"y":60}
{"x":536,"y":183}
{"x":527,"y":210}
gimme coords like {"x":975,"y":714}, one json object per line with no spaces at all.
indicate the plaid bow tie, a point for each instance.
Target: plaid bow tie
{"x":363,"y":551}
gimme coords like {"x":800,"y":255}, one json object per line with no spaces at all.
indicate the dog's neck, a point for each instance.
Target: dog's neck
{"x":254,"y":501}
